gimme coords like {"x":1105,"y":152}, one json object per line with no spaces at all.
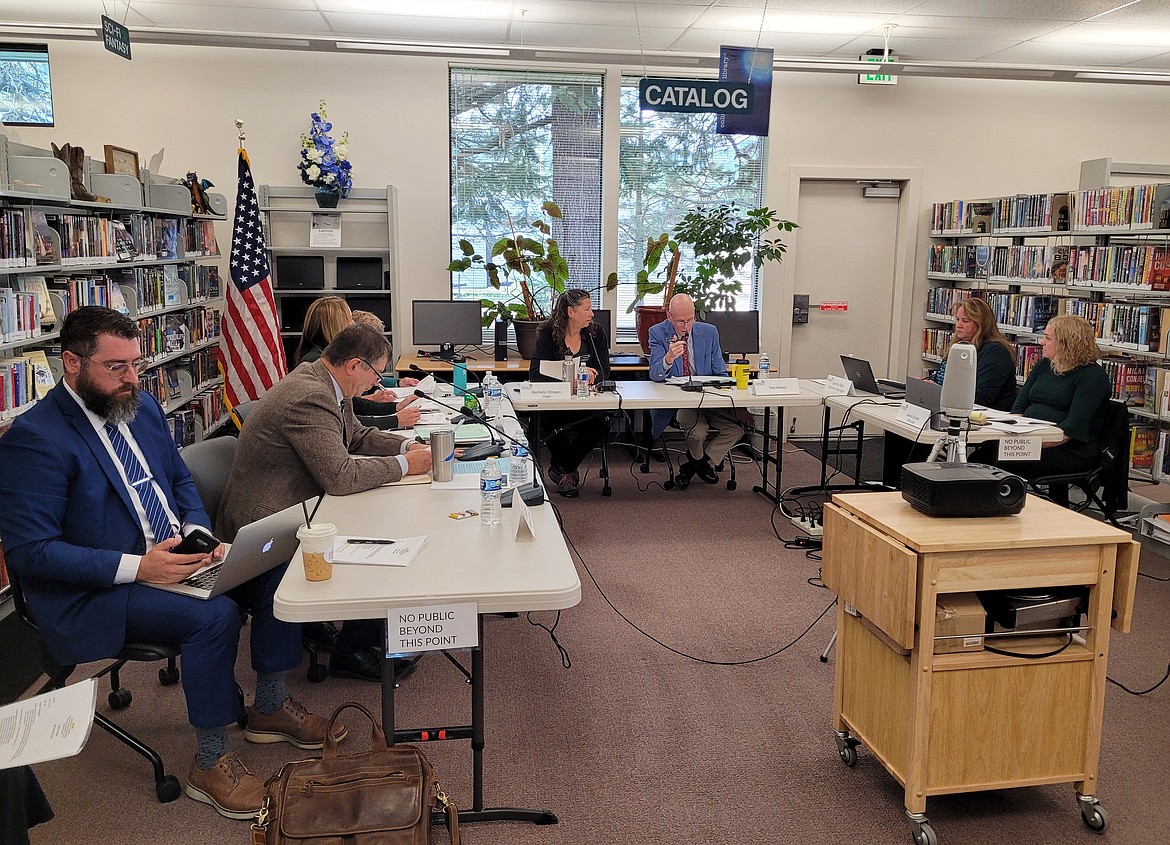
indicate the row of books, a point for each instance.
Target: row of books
{"x":184,"y":426}
{"x":204,"y":283}
{"x":1143,"y":447}
{"x":86,"y":239}
{"x":17,"y":385}
{"x":1127,"y":325}
{"x":1133,"y":207}
{"x":943,"y":300}
{"x":1128,"y":265}
{"x":1024,"y":311}
{"x":208,"y":407}
{"x":1027,"y":354}
{"x":166,"y":334}
{"x":200,"y":240}
{"x":1029,"y":263}
{"x":155,"y":287}
{"x":20,"y":315}
{"x":1128,"y":379}
{"x":15,"y":239}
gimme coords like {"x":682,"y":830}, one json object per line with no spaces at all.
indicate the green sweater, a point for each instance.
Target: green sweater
{"x":1071,"y":401}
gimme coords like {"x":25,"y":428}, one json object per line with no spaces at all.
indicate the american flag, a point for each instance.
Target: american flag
{"x":251,"y":352}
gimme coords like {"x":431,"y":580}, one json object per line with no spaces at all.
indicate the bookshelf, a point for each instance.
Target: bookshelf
{"x":144,"y":253}
{"x":348,"y":251}
{"x":1101,"y":252}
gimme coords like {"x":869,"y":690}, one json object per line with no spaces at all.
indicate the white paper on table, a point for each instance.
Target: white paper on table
{"x":553,"y":369}
{"x":465,"y":475}
{"x":427,"y":385}
{"x":47,"y":727}
{"x":1016,"y":428}
{"x":397,"y":552}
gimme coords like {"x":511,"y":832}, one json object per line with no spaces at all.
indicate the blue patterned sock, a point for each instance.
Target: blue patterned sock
{"x":270,"y":692}
{"x":212,"y":743}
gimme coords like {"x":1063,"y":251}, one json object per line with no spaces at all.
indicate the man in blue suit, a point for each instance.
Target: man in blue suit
{"x":680,"y":346}
{"x":93,"y":496}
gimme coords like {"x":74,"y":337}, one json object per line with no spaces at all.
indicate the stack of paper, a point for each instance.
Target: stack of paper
{"x":378,"y":551}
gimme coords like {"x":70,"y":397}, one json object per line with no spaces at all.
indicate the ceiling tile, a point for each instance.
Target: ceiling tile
{"x":420,"y":28}
{"x":233,"y":18}
{"x":932,"y":49}
{"x":1067,"y":10}
{"x":1091,"y":55}
{"x":709,"y":41}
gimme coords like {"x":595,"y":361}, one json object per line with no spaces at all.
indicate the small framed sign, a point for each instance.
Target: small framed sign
{"x":121,"y":160}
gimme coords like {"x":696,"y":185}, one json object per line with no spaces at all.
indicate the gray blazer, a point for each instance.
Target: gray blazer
{"x":296,"y":444}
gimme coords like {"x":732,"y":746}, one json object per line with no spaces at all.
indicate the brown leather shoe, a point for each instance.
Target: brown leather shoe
{"x":228,"y":786}
{"x":291,"y":723}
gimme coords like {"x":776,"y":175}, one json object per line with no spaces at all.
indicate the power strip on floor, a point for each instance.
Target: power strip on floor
{"x":808,"y":526}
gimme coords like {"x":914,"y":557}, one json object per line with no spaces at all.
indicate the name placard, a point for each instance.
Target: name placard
{"x":1019,"y":448}
{"x":433,"y":627}
{"x":545,"y":390}
{"x":775,"y":387}
{"x":838,"y":386}
{"x":913,"y":415}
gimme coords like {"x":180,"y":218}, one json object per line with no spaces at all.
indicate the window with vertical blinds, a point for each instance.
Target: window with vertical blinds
{"x":670,"y":163}
{"x":519,"y":138}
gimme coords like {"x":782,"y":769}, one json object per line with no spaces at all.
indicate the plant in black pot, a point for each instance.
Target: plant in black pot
{"x":534,"y":264}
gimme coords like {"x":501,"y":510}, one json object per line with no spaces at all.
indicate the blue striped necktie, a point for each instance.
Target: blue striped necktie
{"x":156,"y":514}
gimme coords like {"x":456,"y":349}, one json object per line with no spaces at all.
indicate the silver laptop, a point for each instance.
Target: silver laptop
{"x":924,"y":393}
{"x":260,"y":546}
{"x":858,"y":371}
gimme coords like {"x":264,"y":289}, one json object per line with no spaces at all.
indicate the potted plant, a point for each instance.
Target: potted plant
{"x":647,"y":284}
{"x":723,"y":239}
{"x":534,"y":264}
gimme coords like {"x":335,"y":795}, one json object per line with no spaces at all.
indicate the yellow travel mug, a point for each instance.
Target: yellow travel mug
{"x":741,"y":369}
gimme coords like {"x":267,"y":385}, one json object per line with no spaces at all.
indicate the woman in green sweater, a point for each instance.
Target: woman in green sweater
{"x":1067,"y":387}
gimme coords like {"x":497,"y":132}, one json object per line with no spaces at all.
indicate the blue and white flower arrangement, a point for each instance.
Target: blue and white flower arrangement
{"x":324,"y":162}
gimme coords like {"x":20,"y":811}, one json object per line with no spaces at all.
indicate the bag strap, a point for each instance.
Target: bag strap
{"x":448,"y":806}
{"x":377,"y":735}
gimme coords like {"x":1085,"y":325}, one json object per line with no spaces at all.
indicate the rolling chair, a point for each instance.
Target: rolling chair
{"x":672,"y":481}
{"x":166,"y":787}
{"x":1111,"y":474}
{"x":210,"y":463}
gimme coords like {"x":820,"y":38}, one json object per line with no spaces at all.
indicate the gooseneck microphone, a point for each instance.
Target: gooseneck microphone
{"x":479,"y":450}
{"x":690,"y":386}
{"x":531,"y":492}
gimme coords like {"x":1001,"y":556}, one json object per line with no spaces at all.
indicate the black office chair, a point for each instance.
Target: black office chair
{"x":672,"y":428}
{"x":1111,"y":474}
{"x":166,"y":786}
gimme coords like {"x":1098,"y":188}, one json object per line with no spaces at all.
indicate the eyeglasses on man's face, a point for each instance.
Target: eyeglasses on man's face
{"x":371,"y":367}
{"x":119,"y":368}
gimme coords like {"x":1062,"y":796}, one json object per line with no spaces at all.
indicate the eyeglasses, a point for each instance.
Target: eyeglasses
{"x":373,"y":369}
{"x":119,"y":368}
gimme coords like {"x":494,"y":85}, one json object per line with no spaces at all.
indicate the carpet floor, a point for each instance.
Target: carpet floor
{"x":692,"y":706}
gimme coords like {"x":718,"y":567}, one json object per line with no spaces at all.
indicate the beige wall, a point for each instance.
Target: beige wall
{"x":967,"y":137}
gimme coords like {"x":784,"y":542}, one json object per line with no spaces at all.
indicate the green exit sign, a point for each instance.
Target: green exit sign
{"x":877,"y":78}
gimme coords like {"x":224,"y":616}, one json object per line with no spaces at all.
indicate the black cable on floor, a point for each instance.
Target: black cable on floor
{"x":1143,"y":692}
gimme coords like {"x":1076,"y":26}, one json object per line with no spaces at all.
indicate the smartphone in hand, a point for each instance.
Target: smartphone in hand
{"x":199,"y":542}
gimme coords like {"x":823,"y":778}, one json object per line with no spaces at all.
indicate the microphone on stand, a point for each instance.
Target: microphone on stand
{"x":690,"y":386}
{"x":957,"y":401}
{"x":531,"y":492}
{"x":480,"y":450}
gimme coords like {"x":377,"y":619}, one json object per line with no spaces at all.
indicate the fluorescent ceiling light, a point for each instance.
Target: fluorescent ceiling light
{"x":436,"y":50}
{"x":494,"y":9}
{"x":820,"y":24}
{"x":1154,"y":77}
{"x":1106,"y":35}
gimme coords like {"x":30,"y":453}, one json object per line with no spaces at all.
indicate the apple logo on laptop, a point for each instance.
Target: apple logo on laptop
{"x":268,"y":546}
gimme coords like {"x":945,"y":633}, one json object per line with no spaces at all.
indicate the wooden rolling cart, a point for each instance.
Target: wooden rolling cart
{"x":976,"y":720}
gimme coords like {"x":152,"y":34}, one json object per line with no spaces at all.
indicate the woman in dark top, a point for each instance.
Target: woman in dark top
{"x":1067,"y":387}
{"x":325,"y":318}
{"x":995,"y":360}
{"x":573,"y":435}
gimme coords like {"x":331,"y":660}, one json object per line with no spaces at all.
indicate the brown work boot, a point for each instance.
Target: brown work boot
{"x":291,"y":723}
{"x":228,"y":786}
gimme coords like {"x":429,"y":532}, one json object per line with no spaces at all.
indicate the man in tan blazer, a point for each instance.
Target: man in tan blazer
{"x":300,"y":441}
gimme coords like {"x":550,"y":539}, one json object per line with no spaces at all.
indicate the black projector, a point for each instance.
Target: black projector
{"x":945,"y":489}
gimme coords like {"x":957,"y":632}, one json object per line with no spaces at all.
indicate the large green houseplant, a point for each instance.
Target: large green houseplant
{"x":534,"y":264}
{"x":723,"y":239}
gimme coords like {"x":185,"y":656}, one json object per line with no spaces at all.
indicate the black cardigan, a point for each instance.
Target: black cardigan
{"x":594,"y":351}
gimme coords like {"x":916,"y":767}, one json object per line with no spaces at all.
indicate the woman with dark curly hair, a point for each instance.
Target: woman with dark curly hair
{"x":571,"y":331}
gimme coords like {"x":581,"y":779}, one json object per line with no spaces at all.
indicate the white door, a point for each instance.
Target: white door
{"x":845,"y":256}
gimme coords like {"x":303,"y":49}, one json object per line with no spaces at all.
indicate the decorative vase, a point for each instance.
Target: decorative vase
{"x":647,"y":316}
{"x":326,"y":197}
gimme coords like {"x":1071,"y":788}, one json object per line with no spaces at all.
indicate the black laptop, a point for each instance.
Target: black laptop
{"x":858,"y":371}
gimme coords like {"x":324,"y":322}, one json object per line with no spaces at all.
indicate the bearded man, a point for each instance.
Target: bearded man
{"x":94,"y":498}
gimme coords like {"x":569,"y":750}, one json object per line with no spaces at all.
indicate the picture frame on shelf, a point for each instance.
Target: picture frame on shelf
{"x":121,"y":160}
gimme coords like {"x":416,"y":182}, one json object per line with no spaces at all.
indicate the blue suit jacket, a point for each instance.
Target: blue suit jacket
{"x":66,"y":519}
{"x":708,"y":361}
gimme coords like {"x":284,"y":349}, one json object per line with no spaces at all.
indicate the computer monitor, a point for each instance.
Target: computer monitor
{"x":604,"y":318}
{"x":739,"y":331}
{"x":447,"y":323}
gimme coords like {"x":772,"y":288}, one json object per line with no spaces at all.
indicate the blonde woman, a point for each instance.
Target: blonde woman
{"x":1067,"y":387}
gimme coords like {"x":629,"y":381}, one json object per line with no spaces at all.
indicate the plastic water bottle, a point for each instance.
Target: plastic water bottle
{"x":518,"y":467}
{"x":493,"y":394}
{"x":765,"y":366}
{"x":490,"y":484}
{"x":583,"y":383}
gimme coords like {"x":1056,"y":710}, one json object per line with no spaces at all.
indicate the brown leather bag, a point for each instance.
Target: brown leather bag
{"x":383,"y":796}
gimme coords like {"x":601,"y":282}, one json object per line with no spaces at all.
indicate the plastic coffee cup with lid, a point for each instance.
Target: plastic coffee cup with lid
{"x":317,"y":550}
